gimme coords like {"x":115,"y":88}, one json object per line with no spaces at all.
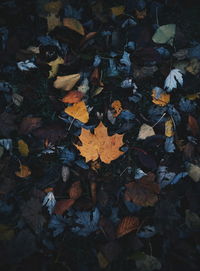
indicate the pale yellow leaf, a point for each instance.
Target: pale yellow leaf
{"x":145,"y":131}
{"x":66,"y":82}
{"x":54,"y":66}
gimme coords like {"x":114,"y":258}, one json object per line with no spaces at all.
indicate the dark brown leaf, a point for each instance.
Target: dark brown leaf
{"x":29,"y":124}
{"x":193,"y":125}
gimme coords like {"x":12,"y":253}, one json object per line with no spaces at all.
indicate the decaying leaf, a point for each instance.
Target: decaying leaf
{"x":17,"y":99}
{"x":145,"y":131}
{"x":194,"y":172}
{"x":73,"y":96}
{"x":146,"y":262}
{"x":24,"y":171}
{"x":141,"y":14}
{"x":53,"y":6}
{"x":162,"y":99}
{"x":75,"y":190}
{"x":53,"y":20}
{"x":23,"y":148}
{"x":193,"y":125}
{"x":28,"y":124}
{"x":127,"y":224}
{"x":119,"y":10}
{"x":78,"y":111}
{"x":144,"y":192}
{"x":74,"y":24}
{"x":100,"y":145}
{"x":117,"y":106}
{"x":54,"y":66}
{"x":169,"y":128}
{"x":66,"y":82}
{"x":63,"y":205}
{"x":194,"y":66}
{"x":103,"y":261}
{"x":165,"y":34}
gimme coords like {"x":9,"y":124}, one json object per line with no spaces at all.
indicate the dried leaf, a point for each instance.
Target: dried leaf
{"x":194,"y":66}
{"x":141,"y":14}
{"x":49,"y":201}
{"x":74,"y":24}
{"x":100,"y":145}
{"x":65,"y":173}
{"x":127,"y":225}
{"x":162,"y":100}
{"x":165,"y":34}
{"x":63,"y":205}
{"x":23,"y":148}
{"x":53,"y":6}
{"x":52,"y":21}
{"x":17,"y":99}
{"x":103,"y":261}
{"x":145,"y":131}
{"x":117,"y":106}
{"x":24,"y":172}
{"x":54,"y":66}
{"x":119,"y":10}
{"x":66,"y":82}
{"x":78,"y":111}
{"x":146,"y":262}
{"x":93,"y":189}
{"x":193,"y":125}
{"x":73,"y":96}
{"x":172,"y":80}
{"x":28,"y":124}
{"x":169,"y":128}
{"x":144,"y":192}
{"x":75,"y":190}
{"x":194,"y":172}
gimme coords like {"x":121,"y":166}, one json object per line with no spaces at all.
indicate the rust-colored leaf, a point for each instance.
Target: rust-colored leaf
{"x":73,"y":96}
{"x":24,"y":172}
{"x":117,"y":106}
{"x":78,"y":111}
{"x":141,"y":14}
{"x":63,"y":205}
{"x":100,"y":145}
{"x":193,"y":125}
{"x":75,"y":190}
{"x":127,"y":225}
{"x":144,"y":192}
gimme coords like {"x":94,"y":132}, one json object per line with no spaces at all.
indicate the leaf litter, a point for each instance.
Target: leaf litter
{"x":99,"y":135}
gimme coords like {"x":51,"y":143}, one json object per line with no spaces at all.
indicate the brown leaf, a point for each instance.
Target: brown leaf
{"x":144,"y":192}
{"x":127,"y":224}
{"x":73,"y":96}
{"x":66,"y":82}
{"x":29,"y":124}
{"x":7,"y":124}
{"x":75,"y":190}
{"x":100,"y":145}
{"x":63,"y":205}
{"x":52,"y":132}
{"x":24,"y":171}
{"x":93,"y":188}
{"x":193,"y":125}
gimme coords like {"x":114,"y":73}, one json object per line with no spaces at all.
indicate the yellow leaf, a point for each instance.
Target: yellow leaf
{"x":117,"y":106}
{"x":23,"y":148}
{"x":74,"y":24}
{"x":24,"y":172}
{"x":54,"y":66}
{"x":117,"y":10}
{"x":53,"y":7}
{"x":53,"y":21}
{"x":193,"y":96}
{"x":100,"y":145}
{"x":66,"y":82}
{"x":169,"y":128}
{"x":103,"y":261}
{"x":163,"y":99}
{"x":78,"y":111}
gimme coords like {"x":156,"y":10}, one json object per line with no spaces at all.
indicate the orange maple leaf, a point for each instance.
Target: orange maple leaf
{"x":100,"y":145}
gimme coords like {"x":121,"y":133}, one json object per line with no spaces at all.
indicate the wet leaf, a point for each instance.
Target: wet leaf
{"x":162,"y":100}
{"x":127,"y":225}
{"x":96,"y":145}
{"x":165,"y":34}
{"x":78,"y":111}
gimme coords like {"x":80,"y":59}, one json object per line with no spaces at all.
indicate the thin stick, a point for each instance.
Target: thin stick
{"x":159,"y":120}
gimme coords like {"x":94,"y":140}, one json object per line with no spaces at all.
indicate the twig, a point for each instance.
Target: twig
{"x":159,"y":120}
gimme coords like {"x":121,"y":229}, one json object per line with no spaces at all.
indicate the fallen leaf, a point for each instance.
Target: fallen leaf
{"x":63,"y":205}
{"x":145,"y":131}
{"x":73,"y":96}
{"x":7,"y":124}
{"x":49,"y":201}
{"x":193,"y":125}
{"x":23,"y":148}
{"x":140,"y":15}
{"x":146,"y":262}
{"x":103,"y":261}
{"x":119,"y":10}
{"x":78,"y":111}
{"x":52,"y":21}
{"x":127,"y":225}
{"x":100,"y":145}
{"x":194,"y":66}
{"x":54,"y":66}
{"x":24,"y":172}
{"x":74,"y":24}
{"x":66,"y":82}
{"x":172,"y":80}
{"x":194,"y":172}
{"x":169,"y":128}
{"x":65,"y":173}
{"x":75,"y":190}
{"x":53,"y":6}
{"x":165,"y":34}
{"x":162,"y":100}
{"x":17,"y":99}
{"x":117,"y":106}
{"x":93,"y":189}
{"x":144,"y":192}
{"x":28,"y":124}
